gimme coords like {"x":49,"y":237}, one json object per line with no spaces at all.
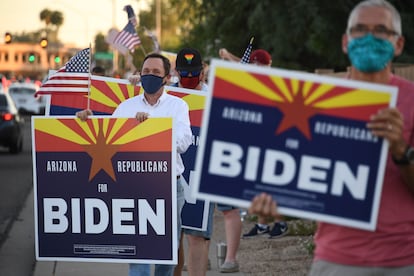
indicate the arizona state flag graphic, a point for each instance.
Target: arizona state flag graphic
{"x":105,"y":189}
{"x":300,"y":137}
{"x":105,"y":95}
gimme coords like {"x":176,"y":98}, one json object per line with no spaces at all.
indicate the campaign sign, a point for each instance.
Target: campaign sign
{"x":300,"y":137}
{"x":105,"y":189}
{"x":194,"y":214}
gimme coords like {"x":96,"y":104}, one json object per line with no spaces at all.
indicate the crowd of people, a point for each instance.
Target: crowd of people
{"x":372,"y":39}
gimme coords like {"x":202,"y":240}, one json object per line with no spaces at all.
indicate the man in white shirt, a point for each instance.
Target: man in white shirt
{"x":155,"y":102}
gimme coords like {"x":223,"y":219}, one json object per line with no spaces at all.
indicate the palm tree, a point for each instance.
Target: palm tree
{"x":45,"y":15}
{"x":54,"y":18}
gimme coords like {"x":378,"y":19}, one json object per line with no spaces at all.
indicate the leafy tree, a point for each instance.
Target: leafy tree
{"x":56,"y":18}
{"x":45,"y":15}
{"x":300,"y":34}
{"x":53,"y":21}
{"x":171,"y":31}
{"x":29,"y":37}
{"x":100,"y":43}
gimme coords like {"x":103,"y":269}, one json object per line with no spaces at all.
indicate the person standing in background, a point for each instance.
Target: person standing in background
{"x":260,"y":57}
{"x":189,"y":68}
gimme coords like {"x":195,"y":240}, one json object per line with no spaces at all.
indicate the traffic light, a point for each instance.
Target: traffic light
{"x":32,"y":57}
{"x":8,"y":38}
{"x":43,"y":42}
{"x":57,"y":59}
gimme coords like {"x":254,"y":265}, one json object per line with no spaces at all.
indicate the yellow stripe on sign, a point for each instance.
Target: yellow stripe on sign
{"x":99,"y":97}
{"x":319,"y":92}
{"x":147,"y":128}
{"x":86,"y":129}
{"x":249,"y":82}
{"x":195,"y":102}
{"x":58,"y":129}
{"x":116,"y":127}
{"x":358,"y":97}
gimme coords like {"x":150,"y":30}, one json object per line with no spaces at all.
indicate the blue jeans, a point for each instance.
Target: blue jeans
{"x":161,"y":269}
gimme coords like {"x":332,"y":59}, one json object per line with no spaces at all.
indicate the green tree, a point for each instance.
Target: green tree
{"x":45,"y":15}
{"x":300,"y":34}
{"x":170,"y":31}
{"x":56,"y":19}
{"x":100,"y":43}
{"x":53,"y":21}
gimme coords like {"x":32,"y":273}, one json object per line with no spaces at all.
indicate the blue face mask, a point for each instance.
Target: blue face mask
{"x":370,"y":54}
{"x":151,"y":83}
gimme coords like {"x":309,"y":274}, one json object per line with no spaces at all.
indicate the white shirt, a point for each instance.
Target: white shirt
{"x":167,"y":106}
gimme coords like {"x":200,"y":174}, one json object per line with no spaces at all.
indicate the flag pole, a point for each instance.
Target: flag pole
{"x":143,"y":50}
{"x":89,"y":77}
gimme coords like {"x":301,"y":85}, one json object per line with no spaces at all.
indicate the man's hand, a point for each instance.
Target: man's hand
{"x":263,"y":205}
{"x":134,"y":79}
{"x":141,"y":116}
{"x":388,"y":123}
{"x":84,"y":114}
{"x":223,"y":53}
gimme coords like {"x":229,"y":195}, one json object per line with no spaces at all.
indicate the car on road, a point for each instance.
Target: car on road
{"x":23,"y":95}
{"x":11,"y":124}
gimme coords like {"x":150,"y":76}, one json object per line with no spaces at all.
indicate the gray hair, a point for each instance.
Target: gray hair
{"x":396,"y":18}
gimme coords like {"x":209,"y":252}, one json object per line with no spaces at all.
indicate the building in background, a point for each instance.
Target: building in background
{"x":32,"y":60}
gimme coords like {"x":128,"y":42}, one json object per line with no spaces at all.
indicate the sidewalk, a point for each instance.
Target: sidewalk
{"x":105,"y":269}
{"x":17,"y":254}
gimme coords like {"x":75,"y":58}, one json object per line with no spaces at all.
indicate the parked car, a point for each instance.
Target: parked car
{"x":11,"y":125}
{"x":23,"y":95}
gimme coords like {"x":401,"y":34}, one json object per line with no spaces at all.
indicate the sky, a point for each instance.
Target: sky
{"x":83,"y":19}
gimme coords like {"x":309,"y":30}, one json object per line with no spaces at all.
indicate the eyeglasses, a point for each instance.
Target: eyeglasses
{"x":378,"y":31}
{"x":186,"y":73}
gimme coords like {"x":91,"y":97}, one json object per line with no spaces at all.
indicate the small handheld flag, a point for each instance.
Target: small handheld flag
{"x":128,"y":37}
{"x":72,"y":77}
{"x":246,"y":55}
{"x":131,"y":15}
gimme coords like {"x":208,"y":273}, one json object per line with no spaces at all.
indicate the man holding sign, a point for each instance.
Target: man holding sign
{"x":155,"y":102}
{"x":372,"y":39}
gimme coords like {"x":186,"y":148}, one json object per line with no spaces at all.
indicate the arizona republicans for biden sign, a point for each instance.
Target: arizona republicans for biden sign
{"x":300,"y":137}
{"x":105,"y":189}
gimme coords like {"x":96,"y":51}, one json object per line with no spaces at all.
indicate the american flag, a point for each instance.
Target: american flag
{"x":72,"y":77}
{"x":131,"y":15}
{"x":128,"y":37}
{"x":247,"y":52}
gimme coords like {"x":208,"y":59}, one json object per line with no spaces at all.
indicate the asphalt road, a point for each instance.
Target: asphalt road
{"x":16,"y":183}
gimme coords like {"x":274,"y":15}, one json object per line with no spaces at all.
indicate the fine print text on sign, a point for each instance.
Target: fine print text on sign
{"x":300,"y":137}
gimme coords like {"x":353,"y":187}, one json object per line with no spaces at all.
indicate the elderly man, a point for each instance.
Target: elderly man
{"x":372,"y":39}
